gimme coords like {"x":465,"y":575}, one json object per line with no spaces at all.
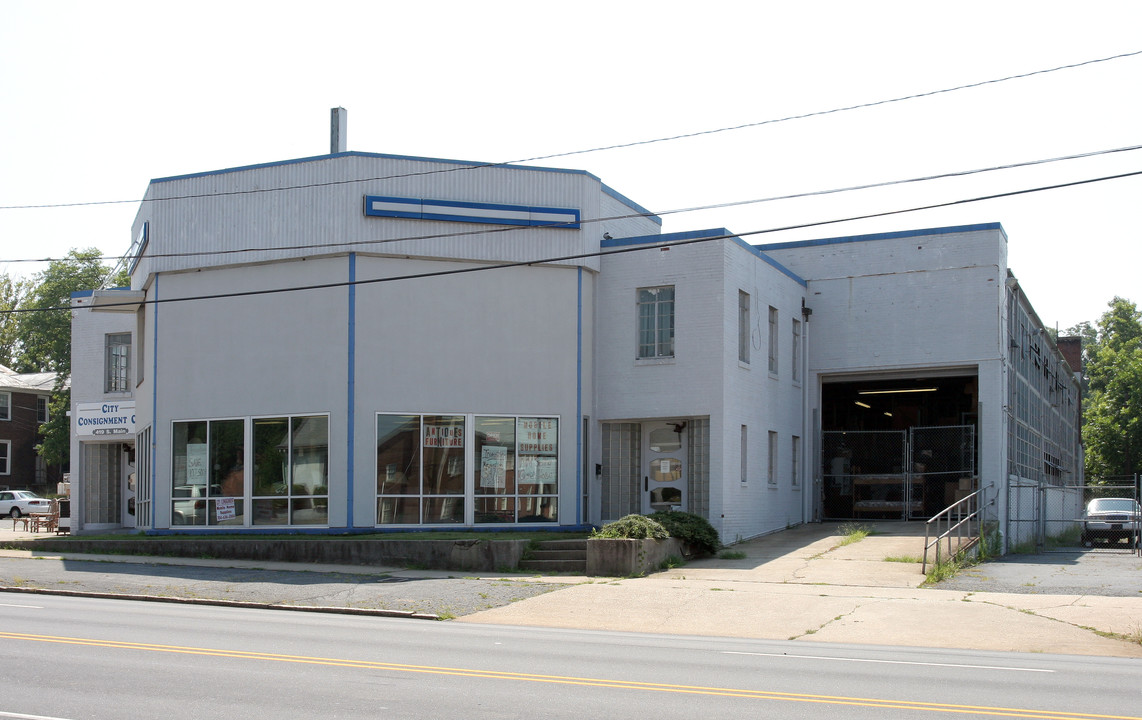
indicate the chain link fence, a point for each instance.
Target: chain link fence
{"x":896,"y":474}
{"x":1101,"y":516}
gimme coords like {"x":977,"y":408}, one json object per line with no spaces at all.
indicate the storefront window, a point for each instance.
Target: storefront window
{"x":495,"y":470}
{"x":423,"y":478}
{"x":517,"y":478}
{"x":207,"y":477}
{"x":289,"y":483}
{"x":420,"y":469}
{"x":291,"y":471}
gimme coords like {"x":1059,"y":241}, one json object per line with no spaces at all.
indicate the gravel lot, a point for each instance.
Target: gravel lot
{"x":438,"y":594}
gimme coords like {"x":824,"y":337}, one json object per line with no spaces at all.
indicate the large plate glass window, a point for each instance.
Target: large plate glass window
{"x":207,"y":478}
{"x":537,"y":447}
{"x":420,"y":469}
{"x":517,"y":473}
{"x":291,"y":470}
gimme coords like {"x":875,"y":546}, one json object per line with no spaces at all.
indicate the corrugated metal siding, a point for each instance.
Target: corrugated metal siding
{"x":204,"y":220}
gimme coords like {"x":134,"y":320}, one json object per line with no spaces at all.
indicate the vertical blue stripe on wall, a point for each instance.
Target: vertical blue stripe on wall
{"x":154,"y":398}
{"x":579,"y":400}
{"x":352,"y":370}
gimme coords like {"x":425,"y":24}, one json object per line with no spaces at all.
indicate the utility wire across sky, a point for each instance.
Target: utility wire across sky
{"x":584,"y":221}
{"x":600,"y":253}
{"x":477,"y":166}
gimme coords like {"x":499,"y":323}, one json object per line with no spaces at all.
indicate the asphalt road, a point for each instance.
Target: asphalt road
{"x":93,"y":658}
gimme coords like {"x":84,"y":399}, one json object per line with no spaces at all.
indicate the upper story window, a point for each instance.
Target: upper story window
{"x":743,"y":326}
{"x":772,"y":339}
{"x":796,"y":350}
{"x":656,"y":322}
{"x":41,"y":409}
{"x":771,"y":470}
{"x":795,"y":458}
{"x":118,"y":363}
{"x":5,"y":406}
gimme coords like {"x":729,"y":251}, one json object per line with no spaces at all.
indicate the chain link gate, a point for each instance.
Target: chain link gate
{"x":896,"y":474}
{"x":1070,"y":522}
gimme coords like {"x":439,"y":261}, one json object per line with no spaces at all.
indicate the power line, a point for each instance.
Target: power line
{"x":602,"y":253}
{"x":487,"y":231}
{"x":670,"y":138}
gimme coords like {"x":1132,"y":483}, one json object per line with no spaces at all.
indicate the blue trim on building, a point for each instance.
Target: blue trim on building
{"x":579,"y":469}
{"x":384,"y":156}
{"x":139,"y":246}
{"x":631,"y":203}
{"x":154,"y":400}
{"x":712,"y":234}
{"x":884,"y":236}
{"x":667,"y":238}
{"x":781,"y":268}
{"x":405,"y":530}
{"x":82,"y":294}
{"x":522,"y":213}
{"x":351,"y":406}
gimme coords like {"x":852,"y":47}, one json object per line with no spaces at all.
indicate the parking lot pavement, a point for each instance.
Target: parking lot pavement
{"x":1107,"y":573}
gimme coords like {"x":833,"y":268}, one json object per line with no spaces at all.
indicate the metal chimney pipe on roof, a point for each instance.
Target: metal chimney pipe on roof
{"x":338,"y":130}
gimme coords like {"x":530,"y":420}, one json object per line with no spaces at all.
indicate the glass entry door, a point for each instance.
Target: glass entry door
{"x":664,"y":458}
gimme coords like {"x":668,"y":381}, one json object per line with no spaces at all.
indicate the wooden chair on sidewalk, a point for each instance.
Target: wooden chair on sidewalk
{"x":48,"y":521}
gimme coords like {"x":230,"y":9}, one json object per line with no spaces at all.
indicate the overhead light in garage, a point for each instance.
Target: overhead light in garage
{"x":893,"y":392}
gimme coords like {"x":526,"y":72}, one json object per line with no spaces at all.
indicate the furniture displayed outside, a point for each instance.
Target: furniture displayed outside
{"x":47,"y":522}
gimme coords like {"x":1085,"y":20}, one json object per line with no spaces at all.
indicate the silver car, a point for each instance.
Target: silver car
{"x":1111,"y":519}
{"x":15,"y":503}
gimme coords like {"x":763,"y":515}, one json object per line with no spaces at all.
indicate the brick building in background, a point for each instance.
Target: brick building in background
{"x":24,"y":400}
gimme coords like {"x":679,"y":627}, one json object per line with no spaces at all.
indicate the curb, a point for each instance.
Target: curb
{"x":407,"y":614}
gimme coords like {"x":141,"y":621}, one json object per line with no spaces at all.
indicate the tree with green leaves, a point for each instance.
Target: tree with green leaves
{"x":44,"y":332}
{"x":1112,"y":410}
{"x":12,"y":293}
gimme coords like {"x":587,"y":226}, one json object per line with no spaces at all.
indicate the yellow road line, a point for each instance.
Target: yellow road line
{"x":580,"y":681}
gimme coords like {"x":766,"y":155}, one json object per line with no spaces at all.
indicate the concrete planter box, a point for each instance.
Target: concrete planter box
{"x":624,"y":557}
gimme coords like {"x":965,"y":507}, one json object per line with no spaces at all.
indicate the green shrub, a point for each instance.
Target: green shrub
{"x":635,"y":527}
{"x":694,"y":530}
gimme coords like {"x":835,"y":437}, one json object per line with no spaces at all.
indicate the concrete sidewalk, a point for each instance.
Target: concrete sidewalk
{"x":800,"y":584}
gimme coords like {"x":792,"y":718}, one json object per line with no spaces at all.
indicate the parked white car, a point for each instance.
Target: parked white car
{"x":15,"y":503}
{"x":1111,"y":519}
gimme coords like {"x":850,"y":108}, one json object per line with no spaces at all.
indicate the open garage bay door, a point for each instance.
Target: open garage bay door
{"x":896,"y":474}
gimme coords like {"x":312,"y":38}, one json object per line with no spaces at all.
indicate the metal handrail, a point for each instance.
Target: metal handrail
{"x":962,"y":517}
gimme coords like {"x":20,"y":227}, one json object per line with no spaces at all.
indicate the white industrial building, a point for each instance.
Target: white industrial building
{"x":355,"y":341}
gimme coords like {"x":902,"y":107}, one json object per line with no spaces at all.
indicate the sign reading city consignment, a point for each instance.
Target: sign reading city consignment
{"x":109,"y":418}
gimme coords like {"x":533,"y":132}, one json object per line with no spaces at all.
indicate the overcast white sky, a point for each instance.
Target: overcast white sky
{"x":98,"y":98}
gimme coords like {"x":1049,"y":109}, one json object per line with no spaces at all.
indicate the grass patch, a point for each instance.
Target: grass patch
{"x":853,"y":532}
{"x":732,"y":555}
{"x":904,"y":559}
{"x":1071,"y":537}
{"x":945,"y":569}
{"x":671,"y":562}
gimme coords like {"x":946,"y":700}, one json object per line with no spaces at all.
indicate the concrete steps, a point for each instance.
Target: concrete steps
{"x":557,"y":556}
